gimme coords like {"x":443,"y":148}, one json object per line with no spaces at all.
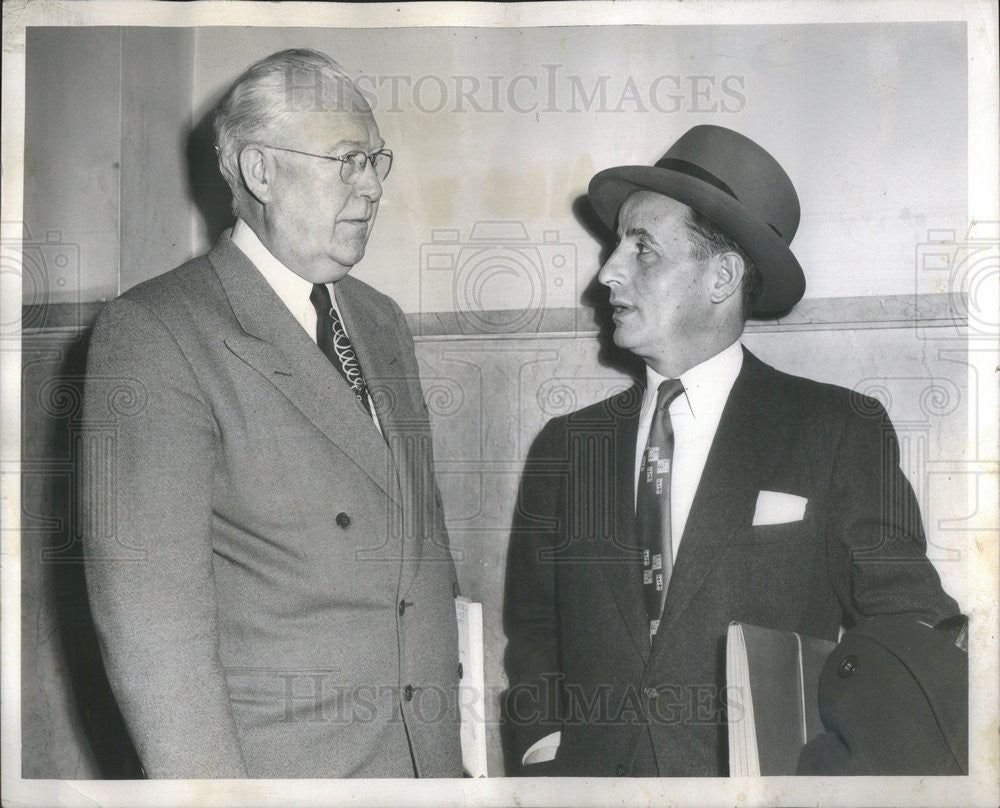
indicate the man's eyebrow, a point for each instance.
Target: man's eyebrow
{"x":356,"y":145}
{"x":640,"y":232}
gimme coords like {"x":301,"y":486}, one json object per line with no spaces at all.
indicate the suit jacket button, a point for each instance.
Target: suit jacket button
{"x":460,"y":671}
{"x":848,"y":665}
{"x":620,"y":770}
{"x":408,"y":692}
{"x":343,"y":520}
{"x":650,"y":692}
{"x":454,"y":589}
{"x":402,"y":607}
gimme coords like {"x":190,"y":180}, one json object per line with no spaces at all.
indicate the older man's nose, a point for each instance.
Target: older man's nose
{"x":368,"y":184}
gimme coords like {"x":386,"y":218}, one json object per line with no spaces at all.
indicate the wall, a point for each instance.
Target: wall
{"x":72,"y":165}
{"x":119,"y":165}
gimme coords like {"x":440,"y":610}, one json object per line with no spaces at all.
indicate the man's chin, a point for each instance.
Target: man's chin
{"x":621,"y":339}
{"x":349,"y":257}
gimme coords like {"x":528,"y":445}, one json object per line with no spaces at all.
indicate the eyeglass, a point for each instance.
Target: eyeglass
{"x":352,"y":164}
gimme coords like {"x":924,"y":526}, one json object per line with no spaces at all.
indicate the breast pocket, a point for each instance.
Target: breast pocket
{"x":780,"y":533}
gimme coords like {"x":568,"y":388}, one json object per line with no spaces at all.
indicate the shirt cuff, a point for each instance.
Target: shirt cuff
{"x":543,"y":750}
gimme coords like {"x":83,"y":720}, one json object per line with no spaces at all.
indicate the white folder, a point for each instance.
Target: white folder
{"x":472,"y":687}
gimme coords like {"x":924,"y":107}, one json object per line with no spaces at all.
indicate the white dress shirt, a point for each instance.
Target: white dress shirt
{"x":289,"y":286}
{"x":695,"y":416}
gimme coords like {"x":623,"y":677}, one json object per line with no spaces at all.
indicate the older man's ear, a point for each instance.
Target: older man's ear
{"x":728,"y":271}
{"x":256,"y":170}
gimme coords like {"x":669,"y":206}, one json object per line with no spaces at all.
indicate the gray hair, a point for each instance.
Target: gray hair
{"x":708,"y":239}
{"x":266,"y":99}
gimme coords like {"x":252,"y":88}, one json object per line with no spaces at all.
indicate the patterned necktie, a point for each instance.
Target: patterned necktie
{"x":652,"y":509}
{"x":333,"y":341}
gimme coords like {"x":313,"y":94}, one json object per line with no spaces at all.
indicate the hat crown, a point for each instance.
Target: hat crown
{"x":743,"y":170}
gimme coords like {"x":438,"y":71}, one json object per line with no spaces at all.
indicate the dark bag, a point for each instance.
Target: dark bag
{"x":894,"y":700}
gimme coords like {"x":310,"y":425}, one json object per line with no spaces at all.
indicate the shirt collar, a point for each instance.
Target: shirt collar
{"x":292,"y":288}
{"x":707,"y":385}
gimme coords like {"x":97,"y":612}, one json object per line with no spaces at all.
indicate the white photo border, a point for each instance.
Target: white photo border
{"x":979,"y":788}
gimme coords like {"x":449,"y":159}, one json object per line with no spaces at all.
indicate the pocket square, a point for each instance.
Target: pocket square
{"x":775,"y":508}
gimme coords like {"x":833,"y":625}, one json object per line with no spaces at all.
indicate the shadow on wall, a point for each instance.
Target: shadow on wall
{"x":206,"y":184}
{"x":60,"y":628}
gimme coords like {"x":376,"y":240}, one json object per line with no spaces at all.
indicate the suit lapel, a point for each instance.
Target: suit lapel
{"x":276,"y":346}
{"x":376,"y":349}
{"x":747,"y":442}
{"x":404,"y":421}
{"x":623,"y":569}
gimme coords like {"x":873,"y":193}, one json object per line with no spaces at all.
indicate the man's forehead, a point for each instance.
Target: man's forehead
{"x":339,"y":128}
{"x":646,"y":208}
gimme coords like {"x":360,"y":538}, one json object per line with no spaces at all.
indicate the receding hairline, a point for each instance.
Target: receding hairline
{"x":291,"y":83}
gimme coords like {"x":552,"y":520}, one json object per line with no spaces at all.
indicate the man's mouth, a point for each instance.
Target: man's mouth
{"x":620,"y":308}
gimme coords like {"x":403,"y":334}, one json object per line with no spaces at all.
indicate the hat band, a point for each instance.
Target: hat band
{"x":697,"y":172}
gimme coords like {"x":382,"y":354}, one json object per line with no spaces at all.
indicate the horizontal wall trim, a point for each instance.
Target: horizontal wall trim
{"x":821,"y":314}
{"x":37,"y":318}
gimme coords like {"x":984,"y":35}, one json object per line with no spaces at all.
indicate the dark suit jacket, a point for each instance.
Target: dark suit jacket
{"x":579,"y":658}
{"x":270,"y":578}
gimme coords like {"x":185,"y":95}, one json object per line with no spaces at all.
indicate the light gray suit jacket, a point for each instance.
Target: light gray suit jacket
{"x":270,"y":578}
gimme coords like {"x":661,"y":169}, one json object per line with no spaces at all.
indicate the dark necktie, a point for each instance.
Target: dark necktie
{"x":652,"y":508}
{"x":333,"y":341}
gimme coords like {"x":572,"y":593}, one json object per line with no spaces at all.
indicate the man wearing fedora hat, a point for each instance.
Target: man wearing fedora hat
{"x":720,"y":490}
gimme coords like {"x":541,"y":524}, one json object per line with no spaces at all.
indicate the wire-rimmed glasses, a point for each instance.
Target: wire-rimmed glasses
{"x":352,"y":164}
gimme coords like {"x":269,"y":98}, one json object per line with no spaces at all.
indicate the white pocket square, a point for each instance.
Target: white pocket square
{"x":775,"y":508}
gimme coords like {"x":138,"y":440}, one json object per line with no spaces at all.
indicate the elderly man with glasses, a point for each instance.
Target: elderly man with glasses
{"x":267,"y":559}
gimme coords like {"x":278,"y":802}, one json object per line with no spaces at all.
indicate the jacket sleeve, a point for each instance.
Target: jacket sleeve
{"x":148,"y":456}
{"x":531,"y":707}
{"x":876,"y":547}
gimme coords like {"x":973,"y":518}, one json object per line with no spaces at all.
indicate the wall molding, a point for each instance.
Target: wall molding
{"x":821,"y":314}
{"x":37,"y":318}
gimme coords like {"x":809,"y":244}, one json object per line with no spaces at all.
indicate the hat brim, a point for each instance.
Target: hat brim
{"x":784,"y":282}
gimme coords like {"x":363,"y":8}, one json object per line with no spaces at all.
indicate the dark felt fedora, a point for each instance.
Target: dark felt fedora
{"x":734,"y":182}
